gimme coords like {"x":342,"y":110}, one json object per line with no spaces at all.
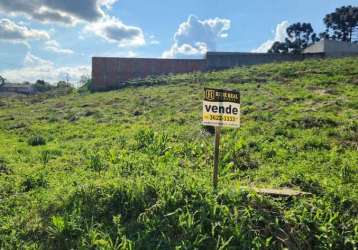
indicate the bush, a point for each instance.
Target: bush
{"x":42,"y":86}
{"x":86,"y":84}
{"x":63,"y":84}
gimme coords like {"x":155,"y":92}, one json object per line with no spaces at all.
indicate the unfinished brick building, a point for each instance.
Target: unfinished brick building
{"x":108,"y":73}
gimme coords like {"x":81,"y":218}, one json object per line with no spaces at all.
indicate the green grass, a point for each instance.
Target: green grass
{"x":131,"y":169}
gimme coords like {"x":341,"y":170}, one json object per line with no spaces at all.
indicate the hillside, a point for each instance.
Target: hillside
{"x":131,"y":169}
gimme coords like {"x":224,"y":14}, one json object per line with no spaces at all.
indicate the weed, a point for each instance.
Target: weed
{"x":307,"y":184}
{"x":38,"y":180}
{"x":242,"y":157}
{"x":47,"y":155}
{"x":312,"y":122}
{"x":96,"y":162}
{"x":4,"y":169}
{"x":314,"y":143}
{"x":36,"y":140}
{"x":346,"y":173}
{"x":144,"y":138}
{"x":208,"y":129}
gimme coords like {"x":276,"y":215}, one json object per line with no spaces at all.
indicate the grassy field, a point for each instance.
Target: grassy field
{"x":131,"y":169}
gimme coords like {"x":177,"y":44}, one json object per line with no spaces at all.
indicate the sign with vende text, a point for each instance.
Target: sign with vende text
{"x":221,"y":107}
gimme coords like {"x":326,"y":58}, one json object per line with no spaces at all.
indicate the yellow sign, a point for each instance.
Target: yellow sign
{"x":221,"y":108}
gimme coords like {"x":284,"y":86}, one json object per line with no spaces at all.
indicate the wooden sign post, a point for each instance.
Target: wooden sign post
{"x":216,"y":157}
{"x":220,"y":108}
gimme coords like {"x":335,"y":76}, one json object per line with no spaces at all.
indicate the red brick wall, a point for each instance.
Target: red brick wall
{"x":108,"y":72}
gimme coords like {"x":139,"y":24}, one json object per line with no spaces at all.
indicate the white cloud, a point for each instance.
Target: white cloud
{"x":115,"y":53}
{"x":113,"y":30}
{"x":62,"y":11}
{"x":31,"y":60}
{"x":153,"y":40}
{"x":71,"y":12}
{"x":37,"y":68}
{"x":195,"y":37}
{"x":131,"y":54}
{"x":280,"y":33}
{"x":108,"y":3}
{"x":55,"y":47}
{"x":10,"y":31}
{"x":263,"y":48}
{"x":280,"y":36}
{"x":53,"y":43}
{"x":186,"y":50}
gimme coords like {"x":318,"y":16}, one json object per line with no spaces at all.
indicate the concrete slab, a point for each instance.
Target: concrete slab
{"x":282,"y":192}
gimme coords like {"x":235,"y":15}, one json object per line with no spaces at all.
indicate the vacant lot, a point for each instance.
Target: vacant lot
{"x":131,"y":169}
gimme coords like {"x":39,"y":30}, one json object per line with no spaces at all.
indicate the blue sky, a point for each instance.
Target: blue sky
{"x":42,"y":39}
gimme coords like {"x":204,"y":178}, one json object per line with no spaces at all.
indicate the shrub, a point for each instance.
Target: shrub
{"x":86,"y":85}
{"x":42,"y":86}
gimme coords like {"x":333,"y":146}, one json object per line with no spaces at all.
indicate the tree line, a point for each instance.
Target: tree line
{"x":341,"y":25}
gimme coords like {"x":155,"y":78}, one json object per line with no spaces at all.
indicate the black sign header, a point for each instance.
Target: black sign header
{"x":221,"y":95}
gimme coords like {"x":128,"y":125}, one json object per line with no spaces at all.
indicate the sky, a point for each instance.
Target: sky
{"x":54,"y":40}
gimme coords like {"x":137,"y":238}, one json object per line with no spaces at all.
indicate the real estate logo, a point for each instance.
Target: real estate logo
{"x":209,"y":94}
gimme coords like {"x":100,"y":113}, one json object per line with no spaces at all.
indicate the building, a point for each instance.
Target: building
{"x":111,"y":73}
{"x":331,"y":48}
{"x":26,"y":89}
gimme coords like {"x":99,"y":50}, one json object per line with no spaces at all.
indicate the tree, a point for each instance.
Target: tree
{"x":40,"y":82}
{"x":342,"y":25}
{"x":42,"y":86}
{"x":299,"y":37}
{"x":2,"y":80}
{"x":279,"y":47}
{"x":85,"y":81}
{"x":63,"y":84}
{"x":323,"y":35}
